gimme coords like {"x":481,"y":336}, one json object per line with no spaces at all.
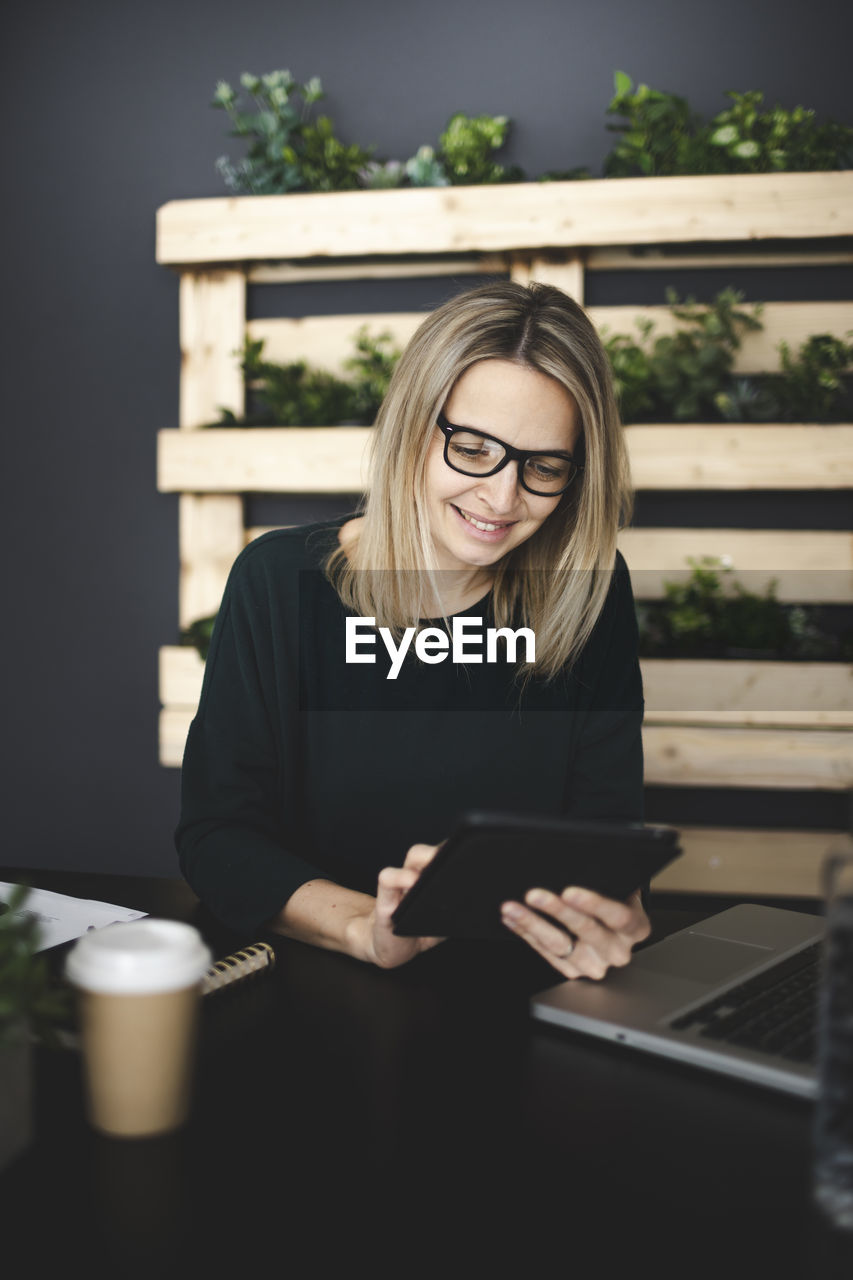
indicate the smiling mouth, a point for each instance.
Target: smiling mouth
{"x":486,"y":526}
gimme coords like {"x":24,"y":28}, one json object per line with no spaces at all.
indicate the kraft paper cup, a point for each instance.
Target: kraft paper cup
{"x":139,"y":987}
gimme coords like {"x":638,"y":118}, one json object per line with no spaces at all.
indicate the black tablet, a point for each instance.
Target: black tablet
{"x":493,"y":857}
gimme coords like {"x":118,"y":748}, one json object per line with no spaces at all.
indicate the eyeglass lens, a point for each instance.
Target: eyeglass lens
{"x":476,"y":455}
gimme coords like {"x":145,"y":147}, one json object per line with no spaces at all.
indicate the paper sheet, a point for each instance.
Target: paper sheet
{"x":61,"y":918}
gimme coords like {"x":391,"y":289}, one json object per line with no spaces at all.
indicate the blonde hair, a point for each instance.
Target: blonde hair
{"x":538,"y":583}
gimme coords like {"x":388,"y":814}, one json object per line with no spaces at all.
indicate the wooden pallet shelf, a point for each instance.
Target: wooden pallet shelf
{"x":734,"y":724}
{"x":624,"y":211}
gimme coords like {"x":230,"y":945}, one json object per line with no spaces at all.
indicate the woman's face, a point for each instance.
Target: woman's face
{"x":476,"y":520}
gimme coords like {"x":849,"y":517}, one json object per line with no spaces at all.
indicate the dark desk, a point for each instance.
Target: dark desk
{"x":413,"y":1121}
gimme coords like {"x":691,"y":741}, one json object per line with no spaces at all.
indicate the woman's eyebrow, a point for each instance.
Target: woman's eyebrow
{"x":481,"y":431}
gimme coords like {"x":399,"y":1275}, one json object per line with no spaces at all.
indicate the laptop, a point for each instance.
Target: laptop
{"x":736,"y":993}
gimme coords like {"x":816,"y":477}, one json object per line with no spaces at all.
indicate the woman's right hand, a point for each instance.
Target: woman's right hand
{"x":384,"y":948}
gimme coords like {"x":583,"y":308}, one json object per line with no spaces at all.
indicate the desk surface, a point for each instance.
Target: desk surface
{"x":418,"y":1120}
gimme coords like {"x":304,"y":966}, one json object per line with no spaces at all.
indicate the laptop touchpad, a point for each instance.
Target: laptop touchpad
{"x":699,"y":957}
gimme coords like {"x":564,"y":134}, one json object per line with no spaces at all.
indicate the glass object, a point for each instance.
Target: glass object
{"x":833,"y":1135}
{"x":472,"y":453}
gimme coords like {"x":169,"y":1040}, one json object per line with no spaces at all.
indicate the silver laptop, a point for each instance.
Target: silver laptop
{"x":736,"y":993}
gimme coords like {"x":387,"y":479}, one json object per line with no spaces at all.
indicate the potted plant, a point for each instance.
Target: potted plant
{"x":30,"y":1004}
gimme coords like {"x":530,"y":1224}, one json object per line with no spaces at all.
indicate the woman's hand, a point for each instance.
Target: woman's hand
{"x":383,"y":946}
{"x":585,"y":934}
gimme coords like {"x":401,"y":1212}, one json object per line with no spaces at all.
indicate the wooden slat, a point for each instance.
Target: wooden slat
{"x":327,"y":341}
{"x":212,"y":326}
{"x":378,"y":269}
{"x":679,"y":456}
{"x":516,"y":216}
{"x":565,"y":270}
{"x":211,"y":538}
{"x":263,"y":460}
{"x":685,"y":756}
{"x":807,"y":566}
{"x":722,"y":456}
{"x":748,"y":692}
{"x":655,"y":259}
{"x":743,"y":862}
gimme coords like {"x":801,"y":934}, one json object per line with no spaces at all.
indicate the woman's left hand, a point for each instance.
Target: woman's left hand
{"x":589,"y":934}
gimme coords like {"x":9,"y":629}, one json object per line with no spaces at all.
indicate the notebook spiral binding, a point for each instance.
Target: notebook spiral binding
{"x":233,"y":968}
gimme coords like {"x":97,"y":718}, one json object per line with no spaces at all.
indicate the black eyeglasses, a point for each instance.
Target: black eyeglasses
{"x":471,"y":453}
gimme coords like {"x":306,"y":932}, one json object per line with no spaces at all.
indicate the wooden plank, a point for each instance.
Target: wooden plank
{"x":212,"y":325}
{"x":379,"y":269}
{"x":263,"y":460}
{"x":528,"y":215}
{"x":181,"y":672}
{"x":679,"y":456}
{"x":565,"y":270}
{"x":687,"y":756}
{"x":211,"y":537}
{"x":744,"y":862}
{"x":807,"y":566}
{"x":327,"y":341}
{"x":791,"y":322}
{"x":723,"y":456}
{"x":658,"y":259}
{"x":748,"y":691}
{"x":745,"y":692}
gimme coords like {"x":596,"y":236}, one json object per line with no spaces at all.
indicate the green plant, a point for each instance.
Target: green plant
{"x":711,"y":615}
{"x":287,"y":151}
{"x":424,"y":169}
{"x":196,"y":635}
{"x":662,"y":135}
{"x":753,"y":141}
{"x":811,"y":385}
{"x":30,"y":1002}
{"x":466,"y":147}
{"x":677,"y":376}
{"x":371,"y":368}
{"x":658,"y":132}
{"x":297,"y":395}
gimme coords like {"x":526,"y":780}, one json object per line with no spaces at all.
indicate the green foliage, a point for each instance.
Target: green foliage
{"x":754,"y":141}
{"x":287,"y":151}
{"x":29,"y":1000}
{"x":811,"y":385}
{"x":710,"y":615}
{"x":371,"y":368}
{"x":297,"y":395}
{"x":466,"y":148}
{"x":676,"y":377}
{"x":197,"y":635}
{"x":658,"y":132}
{"x":425,"y":169}
{"x":661,"y":135}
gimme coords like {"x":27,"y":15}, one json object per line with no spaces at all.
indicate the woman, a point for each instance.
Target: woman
{"x":327,"y":742}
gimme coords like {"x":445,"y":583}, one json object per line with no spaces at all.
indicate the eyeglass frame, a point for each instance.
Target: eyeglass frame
{"x":511,"y":454}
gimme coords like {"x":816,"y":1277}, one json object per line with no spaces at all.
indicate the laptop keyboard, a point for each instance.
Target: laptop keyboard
{"x":774,"y":1013}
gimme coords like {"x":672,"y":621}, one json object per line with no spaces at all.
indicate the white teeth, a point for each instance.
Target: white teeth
{"x":480,"y":524}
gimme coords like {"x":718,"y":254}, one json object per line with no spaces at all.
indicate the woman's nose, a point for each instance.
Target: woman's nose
{"x":500,"y":490}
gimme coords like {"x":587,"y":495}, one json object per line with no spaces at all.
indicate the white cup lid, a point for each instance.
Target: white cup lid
{"x":139,"y":957}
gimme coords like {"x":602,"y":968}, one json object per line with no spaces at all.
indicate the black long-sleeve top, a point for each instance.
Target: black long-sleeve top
{"x":299,"y":765}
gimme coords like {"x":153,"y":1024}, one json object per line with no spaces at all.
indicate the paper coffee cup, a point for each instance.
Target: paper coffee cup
{"x":138,"y":987}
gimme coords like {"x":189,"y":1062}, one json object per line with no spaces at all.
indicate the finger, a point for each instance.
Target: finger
{"x":612,"y":947}
{"x":420,"y":855}
{"x":627,"y":918}
{"x":392,"y":884}
{"x":550,"y":943}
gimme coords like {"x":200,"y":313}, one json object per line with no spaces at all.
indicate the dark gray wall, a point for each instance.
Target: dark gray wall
{"x":106,"y":117}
